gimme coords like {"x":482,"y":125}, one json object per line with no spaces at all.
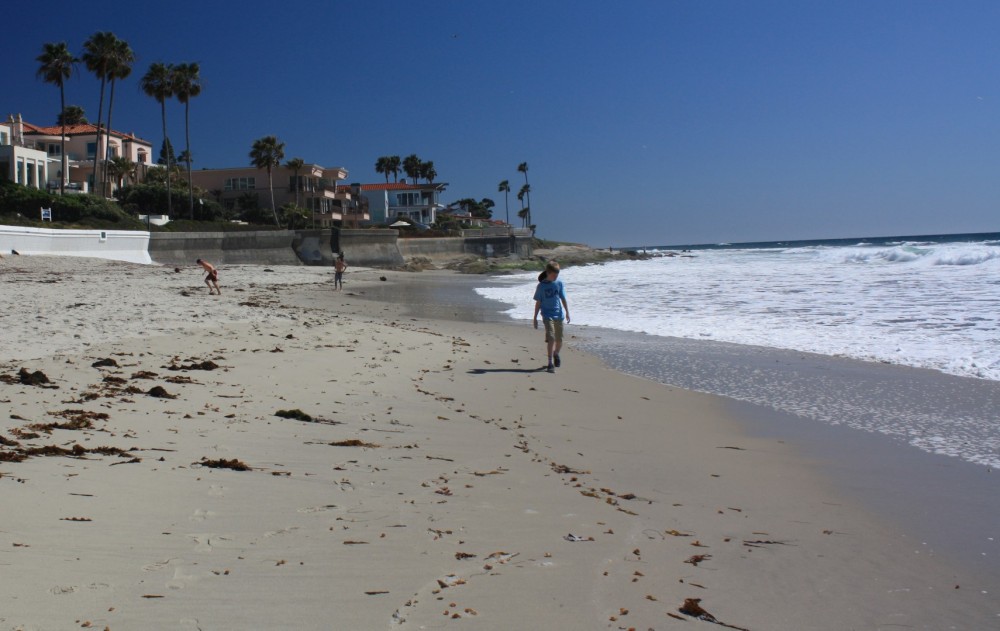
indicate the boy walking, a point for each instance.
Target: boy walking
{"x":550,"y":299}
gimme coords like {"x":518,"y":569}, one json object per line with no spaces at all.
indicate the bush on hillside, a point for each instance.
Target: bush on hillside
{"x":143,"y":199}
{"x":21,"y":205}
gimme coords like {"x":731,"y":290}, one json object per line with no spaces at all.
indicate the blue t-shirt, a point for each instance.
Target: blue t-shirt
{"x":551,"y":294}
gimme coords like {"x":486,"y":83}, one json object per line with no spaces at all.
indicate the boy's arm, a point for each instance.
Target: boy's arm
{"x":566,"y":309}
{"x":538,"y":305}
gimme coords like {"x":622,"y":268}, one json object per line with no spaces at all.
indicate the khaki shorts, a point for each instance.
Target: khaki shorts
{"x":553,"y":330}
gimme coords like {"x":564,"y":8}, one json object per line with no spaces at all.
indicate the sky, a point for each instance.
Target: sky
{"x":643,"y":122}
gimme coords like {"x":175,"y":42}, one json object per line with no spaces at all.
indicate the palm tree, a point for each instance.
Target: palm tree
{"x":523,"y":168}
{"x":382,"y":166}
{"x":187,"y":84}
{"x":157,"y":84}
{"x":521,"y":213}
{"x":120,"y":167}
{"x":525,"y":193}
{"x":411,"y":166}
{"x":98,"y":56}
{"x":73,"y":115}
{"x":427,"y":171}
{"x":394,"y":163}
{"x":505,"y":189}
{"x":56,"y":66}
{"x":296,"y":164}
{"x":267,"y":153}
{"x":120,"y":68}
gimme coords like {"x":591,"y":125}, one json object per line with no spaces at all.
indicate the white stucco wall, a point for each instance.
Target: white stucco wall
{"x":116,"y":245}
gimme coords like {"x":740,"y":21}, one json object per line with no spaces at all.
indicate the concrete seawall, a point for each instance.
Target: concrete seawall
{"x":370,"y":248}
{"x":482,"y":246}
{"x":373,"y":248}
{"x":115,"y":245}
{"x":222,"y":248}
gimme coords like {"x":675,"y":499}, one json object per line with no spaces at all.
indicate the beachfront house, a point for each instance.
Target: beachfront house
{"x":28,"y":144}
{"x":313,"y":187}
{"x":388,"y":202}
{"x":19,"y":163}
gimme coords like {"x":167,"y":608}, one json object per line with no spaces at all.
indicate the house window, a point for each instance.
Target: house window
{"x":408,"y":199}
{"x":142,"y":157}
{"x":54,"y":150}
{"x":4,"y":138}
{"x":91,"y":150}
{"x":240,"y":184}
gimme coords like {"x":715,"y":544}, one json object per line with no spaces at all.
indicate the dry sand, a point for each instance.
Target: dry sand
{"x":440,"y":480}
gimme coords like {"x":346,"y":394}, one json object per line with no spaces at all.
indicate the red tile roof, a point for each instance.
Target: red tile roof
{"x":86,"y":129}
{"x":393,"y":186}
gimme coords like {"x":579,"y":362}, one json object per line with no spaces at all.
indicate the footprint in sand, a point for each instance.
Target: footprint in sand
{"x":59,"y":590}
{"x":216,"y":490}
{"x":275,"y":533}
{"x":202,"y":515}
{"x":181,"y":579}
{"x":203,"y":543}
{"x":157,"y":566}
{"x":317,"y":509}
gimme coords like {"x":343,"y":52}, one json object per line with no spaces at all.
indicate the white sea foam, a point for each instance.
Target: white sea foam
{"x":914,"y":303}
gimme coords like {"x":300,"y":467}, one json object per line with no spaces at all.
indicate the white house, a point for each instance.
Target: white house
{"x":399,"y":200}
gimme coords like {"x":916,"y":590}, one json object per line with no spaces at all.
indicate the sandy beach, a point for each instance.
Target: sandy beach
{"x":284,"y":456}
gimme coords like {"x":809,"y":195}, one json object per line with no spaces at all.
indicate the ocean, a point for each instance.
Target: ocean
{"x":908,"y":329}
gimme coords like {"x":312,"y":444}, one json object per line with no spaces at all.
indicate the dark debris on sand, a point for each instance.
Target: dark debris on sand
{"x":222,"y":463}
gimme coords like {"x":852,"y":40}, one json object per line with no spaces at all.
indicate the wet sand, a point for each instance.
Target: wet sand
{"x":439,"y":479}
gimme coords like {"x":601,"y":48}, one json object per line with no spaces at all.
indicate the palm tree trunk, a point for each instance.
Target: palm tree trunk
{"x":187,"y":141}
{"x":62,"y":150}
{"x":527,"y":195}
{"x":274,"y":210}
{"x":166,"y":152}
{"x":107,"y":142}
{"x":97,"y":136}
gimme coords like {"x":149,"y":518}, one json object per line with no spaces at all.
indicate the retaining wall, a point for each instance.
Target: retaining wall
{"x":116,"y":245}
{"x":314,"y":247}
{"x":265,"y":247}
{"x":374,"y":248}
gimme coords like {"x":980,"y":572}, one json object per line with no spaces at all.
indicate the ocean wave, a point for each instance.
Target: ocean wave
{"x":971,"y":257}
{"x":929,"y":254}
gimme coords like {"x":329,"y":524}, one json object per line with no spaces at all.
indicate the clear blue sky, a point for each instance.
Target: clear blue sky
{"x":643,"y":122}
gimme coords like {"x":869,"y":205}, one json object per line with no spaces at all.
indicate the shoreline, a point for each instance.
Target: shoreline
{"x":471,"y":451}
{"x":893,"y":478}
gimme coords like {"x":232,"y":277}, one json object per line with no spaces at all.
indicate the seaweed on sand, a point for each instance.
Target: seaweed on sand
{"x":296,"y":414}
{"x":222,"y":463}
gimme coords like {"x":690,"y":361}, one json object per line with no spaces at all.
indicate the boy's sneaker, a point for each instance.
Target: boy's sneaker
{"x":551,"y":368}
{"x":556,"y":361}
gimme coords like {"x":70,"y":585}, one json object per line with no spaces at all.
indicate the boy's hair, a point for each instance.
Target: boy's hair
{"x":198,"y":261}
{"x":551,"y":266}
